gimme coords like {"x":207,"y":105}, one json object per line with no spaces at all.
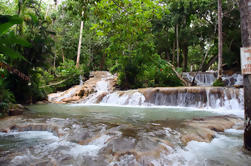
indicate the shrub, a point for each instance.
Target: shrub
{"x":218,"y":82}
{"x":6,"y":98}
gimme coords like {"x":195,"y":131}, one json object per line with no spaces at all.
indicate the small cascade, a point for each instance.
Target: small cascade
{"x":208,"y":78}
{"x":100,"y":83}
{"x":81,"y":80}
{"x":99,"y":89}
{"x":198,"y":97}
{"x":124,"y":98}
{"x":233,"y":80}
{"x":201,"y":78}
{"x":102,"y":88}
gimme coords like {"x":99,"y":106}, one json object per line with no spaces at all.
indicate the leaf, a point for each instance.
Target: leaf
{"x":94,"y":26}
{"x":12,"y":39}
{"x":8,"y":21}
{"x":100,"y":33}
{"x":11,"y":53}
{"x":33,"y":17}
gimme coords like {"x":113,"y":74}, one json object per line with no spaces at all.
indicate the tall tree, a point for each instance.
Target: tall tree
{"x":80,"y":40}
{"x":219,"y":39}
{"x":177,"y":45}
{"x":245,"y":12}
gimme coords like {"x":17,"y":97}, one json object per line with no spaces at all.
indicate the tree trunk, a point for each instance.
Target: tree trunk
{"x":167,"y":55}
{"x":20,"y":14}
{"x":186,"y":83}
{"x":46,"y":13}
{"x":213,"y":59}
{"x":219,"y":39}
{"x":177,"y":45}
{"x":54,"y":61}
{"x":185,"y":52}
{"x":173,"y":52}
{"x":245,"y":11}
{"x":63,"y":56}
{"x":80,"y":41}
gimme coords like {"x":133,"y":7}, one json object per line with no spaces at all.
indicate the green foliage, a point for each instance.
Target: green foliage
{"x":128,"y":29}
{"x":218,"y":82}
{"x":159,"y":74}
{"x":8,"y":39}
{"x":7,"y":22}
{"x":136,"y":39}
{"x":26,"y":49}
{"x":63,"y":77}
{"x":67,"y":71}
{"x":6,"y":96}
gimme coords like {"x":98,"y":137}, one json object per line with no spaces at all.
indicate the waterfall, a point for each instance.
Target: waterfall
{"x":80,"y":80}
{"x":90,"y":91}
{"x":123,"y":98}
{"x":198,"y":97}
{"x":233,"y":80}
{"x":102,"y":88}
{"x":99,"y":89}
{"x":201,"y":79}
{"x":208,"y":78}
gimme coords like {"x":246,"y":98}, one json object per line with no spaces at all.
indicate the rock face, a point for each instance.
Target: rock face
{"x":99,"y":81}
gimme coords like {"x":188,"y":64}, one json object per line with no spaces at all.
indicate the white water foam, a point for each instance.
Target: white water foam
{"x":50,"y":144}
{"x":135,"y":98}
{"x":216,"y":153}
{"x":208,"y":78}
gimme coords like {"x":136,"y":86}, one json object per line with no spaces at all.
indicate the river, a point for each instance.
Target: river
{"x":96,"y":135}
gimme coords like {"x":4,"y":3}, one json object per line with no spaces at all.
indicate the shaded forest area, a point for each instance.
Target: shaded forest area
{"x":45,"y":47}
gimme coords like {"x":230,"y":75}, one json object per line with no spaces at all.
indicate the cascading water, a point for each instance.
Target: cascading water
{"x":61,"y":134}
{"x":201,"y":79}
{"x":81,"y":80}
{"x":159,"y":132}
{"x":228,"y":99}
{"x":208,"y":78}
{"x":102,"y":88}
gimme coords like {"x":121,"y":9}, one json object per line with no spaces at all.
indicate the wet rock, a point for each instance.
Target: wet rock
{"x":16,"y":109}
{"x":42,"y":102}
{"x":7,"y":122}
{"x":15,"y":112}
{"x":80,"y":92}
{"x":204,"y":129}
{"x":70,"y":99}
